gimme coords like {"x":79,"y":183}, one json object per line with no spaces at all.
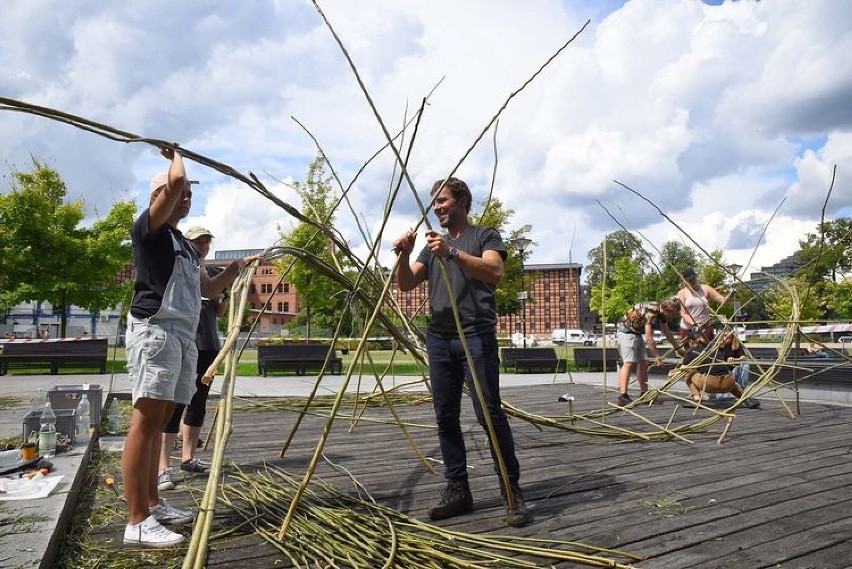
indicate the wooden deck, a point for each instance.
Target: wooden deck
{"x":777,"y":493}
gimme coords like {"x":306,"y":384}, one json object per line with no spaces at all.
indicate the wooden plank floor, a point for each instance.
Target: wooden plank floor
{"x":777,"y":493}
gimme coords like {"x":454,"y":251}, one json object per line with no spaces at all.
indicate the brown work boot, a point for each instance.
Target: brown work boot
{"x":517,"y":515}
{"x":456,"y":499}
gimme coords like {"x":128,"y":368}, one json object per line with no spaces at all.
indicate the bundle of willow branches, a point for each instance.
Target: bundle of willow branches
{"x":396,"y":398}
{"x":334,"y":529}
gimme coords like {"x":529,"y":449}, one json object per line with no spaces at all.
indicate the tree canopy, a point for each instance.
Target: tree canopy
{"x":498,"y":216}
{"x":322,"y":302}
{"x":632,"y":275}
{"x":827,"y":253}
{"x":619,"y":244}
{"x":821,"y":282}
{"x":47,"y":256}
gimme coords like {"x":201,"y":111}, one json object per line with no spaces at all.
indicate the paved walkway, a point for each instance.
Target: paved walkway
{"x":36,"y":545}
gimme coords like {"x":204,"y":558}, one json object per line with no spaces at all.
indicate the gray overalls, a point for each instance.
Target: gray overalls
{"x":161,"y":351}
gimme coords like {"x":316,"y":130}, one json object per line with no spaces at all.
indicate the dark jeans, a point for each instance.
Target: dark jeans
{"x":448,"y":372}
{"x":197,"y":408}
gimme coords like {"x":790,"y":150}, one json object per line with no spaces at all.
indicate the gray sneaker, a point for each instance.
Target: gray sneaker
{"x":167,"y":514}
{"x":164,"y":480}
{"x":194,"y":466}
{"x":150,"y":533}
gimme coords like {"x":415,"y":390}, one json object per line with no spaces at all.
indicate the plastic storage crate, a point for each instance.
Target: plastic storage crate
{"x":67,"y":397}
{"x":64,"y":422}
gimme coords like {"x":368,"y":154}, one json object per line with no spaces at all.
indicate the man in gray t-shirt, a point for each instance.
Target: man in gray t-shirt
{"x":473,"y":259}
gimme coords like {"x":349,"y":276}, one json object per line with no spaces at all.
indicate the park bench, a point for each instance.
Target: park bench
{"x":54,"y":354}
{"x":763,"y":353}
{"x":593,"y":359}
{"x":529,"y":359}
{"x":298,"y":358}
{"x":817,"y":370}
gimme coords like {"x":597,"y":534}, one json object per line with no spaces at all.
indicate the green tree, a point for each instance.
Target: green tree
{"x":674,"y":258}
{"x":496,"y":215}
{"x":624,"y":293}
{"x":779,"y":301}
{"x":827,"y":257}
{"x":619,"y":244}
{"x":322,"y":300}
{"x":840,"y":299}
{"x":713,"y":272}
{"x":45,"y":255}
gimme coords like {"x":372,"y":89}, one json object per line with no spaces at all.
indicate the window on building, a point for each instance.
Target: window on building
{"x":280,"y":287}
{"x":280,"y":307}
{"x":252,"y":289}
{"x":286,"y":287}
{"x":286,"y":307}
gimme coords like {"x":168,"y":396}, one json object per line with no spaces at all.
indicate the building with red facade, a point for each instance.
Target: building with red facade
{"x":284,"y":302}
{"x":554,"y":301}
{"x":554,"y":298}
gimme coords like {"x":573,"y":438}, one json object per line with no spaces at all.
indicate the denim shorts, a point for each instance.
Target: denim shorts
{"x":160,"y":361}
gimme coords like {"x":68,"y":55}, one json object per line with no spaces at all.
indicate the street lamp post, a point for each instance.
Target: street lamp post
{"x":521,"y":244}
{"x":734,"y":270}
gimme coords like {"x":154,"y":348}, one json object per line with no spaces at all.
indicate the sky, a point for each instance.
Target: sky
{"x":730,"y":117}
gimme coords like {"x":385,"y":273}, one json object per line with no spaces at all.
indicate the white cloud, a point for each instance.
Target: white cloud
{"x":714,"y":113}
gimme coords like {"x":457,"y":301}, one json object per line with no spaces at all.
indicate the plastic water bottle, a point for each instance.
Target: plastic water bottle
{"x":47,"y":432}
{"x":83,"y":421}
{"x":38,"y":400}
{"x":114,"y":415}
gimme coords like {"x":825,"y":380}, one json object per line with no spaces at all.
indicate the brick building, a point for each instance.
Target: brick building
{"x":285,"y":302}
{"x":555,"y":301}
{"x":555,"y":298}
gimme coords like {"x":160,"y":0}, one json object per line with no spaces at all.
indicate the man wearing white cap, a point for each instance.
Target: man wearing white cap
{"x":161,"y":351}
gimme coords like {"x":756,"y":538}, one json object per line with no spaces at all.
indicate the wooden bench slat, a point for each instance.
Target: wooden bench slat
{"x":593,"y":358}
{"x":90,"y":353}
{"x":531,"y":359}
{"x":298,"y":358}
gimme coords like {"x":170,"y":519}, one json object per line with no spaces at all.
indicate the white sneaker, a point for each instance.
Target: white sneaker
{"x":164,"y":480}
{"x":168,"y":514}
{"x":149,"y":533}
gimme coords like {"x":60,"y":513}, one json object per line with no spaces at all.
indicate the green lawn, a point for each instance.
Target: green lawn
{"x":403,"y":364}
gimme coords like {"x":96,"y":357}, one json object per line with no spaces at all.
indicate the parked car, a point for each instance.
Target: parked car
{"x":562,"y":336}
{"x":518,"y":341}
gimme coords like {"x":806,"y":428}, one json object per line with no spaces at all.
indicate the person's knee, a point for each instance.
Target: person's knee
{"x":446,"y":419}
{"x":151,"y":415}
{"x":147,"y":425}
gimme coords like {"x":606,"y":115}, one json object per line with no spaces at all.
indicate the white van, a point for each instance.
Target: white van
{"x":561,"y":336}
